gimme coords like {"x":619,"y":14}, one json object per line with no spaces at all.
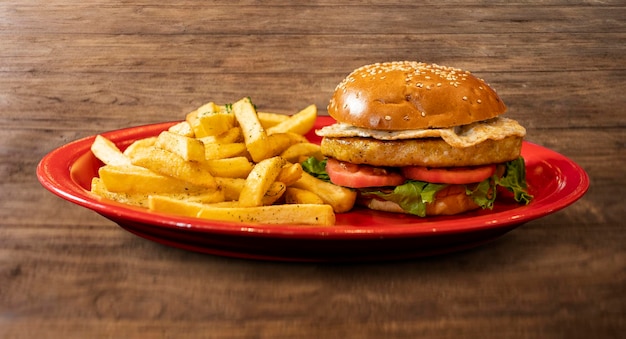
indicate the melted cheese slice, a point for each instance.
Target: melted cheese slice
{"x":460,"y":136}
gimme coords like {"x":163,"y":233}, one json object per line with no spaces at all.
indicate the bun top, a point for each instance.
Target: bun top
{"x":412,"y":95}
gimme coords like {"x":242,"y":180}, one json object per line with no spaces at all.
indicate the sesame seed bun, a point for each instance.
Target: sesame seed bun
{"x":412,"y":95}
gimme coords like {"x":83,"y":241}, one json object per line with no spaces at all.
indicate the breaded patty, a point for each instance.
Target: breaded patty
{"x":429,"y":152}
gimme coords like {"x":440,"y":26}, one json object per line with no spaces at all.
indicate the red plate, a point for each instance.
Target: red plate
{"x":360,"y":235}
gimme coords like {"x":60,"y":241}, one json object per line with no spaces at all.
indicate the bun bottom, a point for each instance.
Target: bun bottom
{"x":449,"y":201}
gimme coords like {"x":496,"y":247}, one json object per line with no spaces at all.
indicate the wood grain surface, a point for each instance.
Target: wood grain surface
{"x":70,"y":69}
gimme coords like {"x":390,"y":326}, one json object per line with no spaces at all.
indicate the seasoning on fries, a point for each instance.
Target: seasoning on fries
{"x":224,"y":162}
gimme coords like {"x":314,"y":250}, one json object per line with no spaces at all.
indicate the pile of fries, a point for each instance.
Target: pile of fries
{"x":228,"y":163}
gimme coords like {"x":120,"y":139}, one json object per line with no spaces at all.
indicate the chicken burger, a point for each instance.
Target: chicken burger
{"x":422,"y":139}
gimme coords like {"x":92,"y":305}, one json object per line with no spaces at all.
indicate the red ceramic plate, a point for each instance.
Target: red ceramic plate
{"x":554,"y":180}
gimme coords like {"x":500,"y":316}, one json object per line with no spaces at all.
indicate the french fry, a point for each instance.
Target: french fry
{"x":301,"y":151}
{"x":170,"y":164}
{"x":105,"y":150}
{"x":254,"y":134}
{"x":231,"y":136}
{"x":141,"y":198}
{"x":221,"y":151}
{"x":133,"y":199}
{"x":300,"y":196}
{"x":340,"y":198}
{"x":138,"y":145}
{"x":236,"y":167}
{"x":182,"y":128}
{"x":135,"y":179}
{"x":273,"y":193}
{"x":268,"y":119}
{"x":210,"y":119}
{"x":232,"y":187}
{"x":299,"y":123}
{"x":185,"y":147}
{"x":170,"y":203}
{"x":290,"y":173}
{"x":293,"y":214}
{"x":274,"y":145}
{"x":259,"y":180}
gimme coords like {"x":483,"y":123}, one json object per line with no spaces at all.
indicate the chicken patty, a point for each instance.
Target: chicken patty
{"x":429,"y":152}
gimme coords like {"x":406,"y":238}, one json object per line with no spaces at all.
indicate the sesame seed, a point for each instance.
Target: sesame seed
{"x":387,"y":117}
{"x":479,"y":101}
{"x":423,"y":114}
{"x":465,"y":98}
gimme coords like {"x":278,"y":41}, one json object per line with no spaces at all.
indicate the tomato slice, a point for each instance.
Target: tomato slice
{"x":360,"y":176}
{"x":449,"y":175}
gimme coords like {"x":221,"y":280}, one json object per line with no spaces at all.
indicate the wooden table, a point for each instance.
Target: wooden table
{"x":70,"y":69}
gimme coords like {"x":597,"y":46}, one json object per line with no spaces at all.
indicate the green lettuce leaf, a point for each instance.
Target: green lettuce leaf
{"x":483,"y":194}
{"x":514,"y":180}
{"x":412,"y":196}
{"x":316,"y":168}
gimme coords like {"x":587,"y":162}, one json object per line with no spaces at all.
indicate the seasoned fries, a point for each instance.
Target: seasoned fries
{"x":259,"y":181}
{"x":228,"y":163}
{"x":299,"y":123}
{"x":108,"y":153}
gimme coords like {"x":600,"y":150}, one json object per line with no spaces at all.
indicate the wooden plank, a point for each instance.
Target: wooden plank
{"x":266,"y":19}
{"x":210,"y":54}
